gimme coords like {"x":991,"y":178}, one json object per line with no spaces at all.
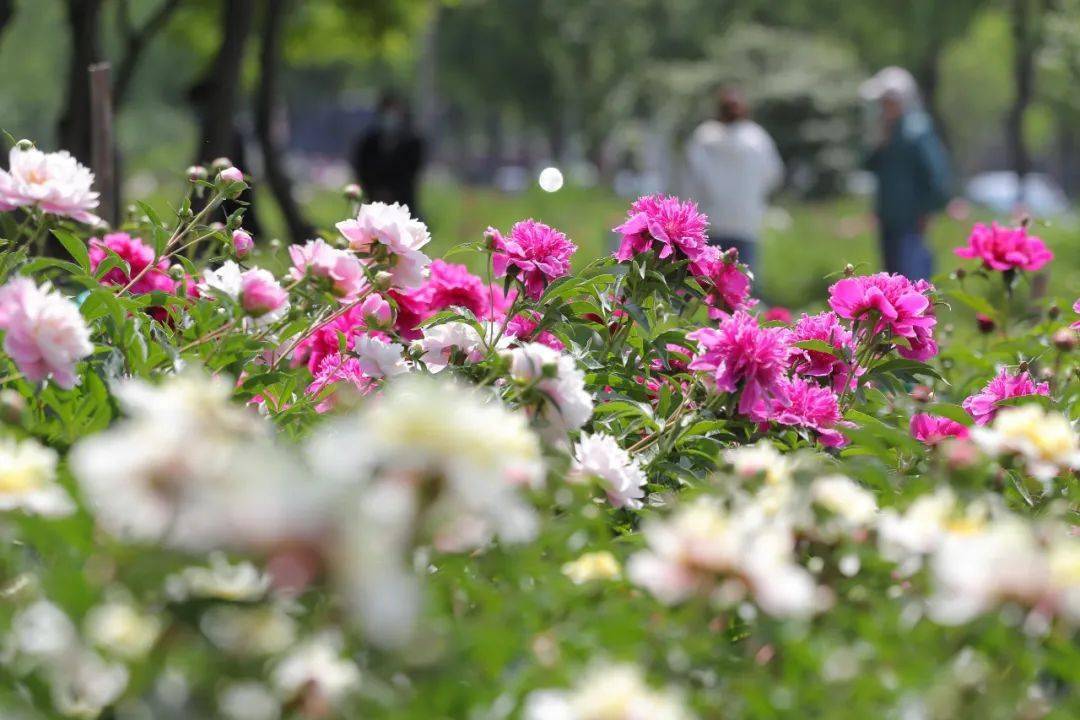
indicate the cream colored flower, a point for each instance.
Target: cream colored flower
{"x":28,"y":479}
{"x":1045,"y":439}
{"x":122,"y":630}
{"x":607,"y":692}
{"x":592,"y":566}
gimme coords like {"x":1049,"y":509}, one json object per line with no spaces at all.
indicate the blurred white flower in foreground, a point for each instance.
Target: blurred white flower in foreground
{"x":28,"y":479}
{"x":1044,"y":439}
{"x":600,"y":456}
{"x":316,"y":668}
{"x":607,"y":692}
{"x":845,"y":498}
{"x":122,"y":630}
{"x":762,"y":458}
{"x":592,"y":566}
{"x":242,"y":582}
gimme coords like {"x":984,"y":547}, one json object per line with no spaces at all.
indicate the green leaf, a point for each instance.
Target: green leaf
{"x":817,"y":346}
{"x":75,"y":247}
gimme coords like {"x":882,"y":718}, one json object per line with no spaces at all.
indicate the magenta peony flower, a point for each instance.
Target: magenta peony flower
{"x":726,"y":285}
{"x":325,"y":340}
{"x":676,"y":225}
{"x":983,"y":405}
{"x":932,"y":429}
{"x":138,"y":255}
{"x":45,"y":334}
{"x":336,"y":370}
{"x":498,"y":303}
{"x":261,"y":296}
{"x":413,"y":308}
{"x":777,"y":314}
{"x":54,"y":182}
{"x":800,"y":403}
{"x":827,"y":328}
{"x":242,"y":243}
{"x":538,"y":252}
{"x":319,"y":260}
{"x":454,"y":286}
{"x":1004,"y":248}
{"x":523,"y":327}
{"x":740,"y":355}
{"x":1076,"y":309}
{"x":899,"y":306}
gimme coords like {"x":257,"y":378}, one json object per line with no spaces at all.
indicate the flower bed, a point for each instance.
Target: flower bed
{"x":379,"y":485}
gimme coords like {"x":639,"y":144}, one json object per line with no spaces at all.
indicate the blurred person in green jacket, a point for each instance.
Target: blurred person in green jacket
{"x":912,"y":171}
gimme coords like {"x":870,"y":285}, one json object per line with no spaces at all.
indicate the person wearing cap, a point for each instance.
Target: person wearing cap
{"x":732,"y":167}
{"x":912,"y":171}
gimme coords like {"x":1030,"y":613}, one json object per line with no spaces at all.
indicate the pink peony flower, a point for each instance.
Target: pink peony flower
{"x":726,"y":285}
{"x":894,"y":304}
{"x":319,"y":260}
{"x":454,"y":286}
{"x":399,"y":234}
{"x":242,"y":243}
{"x":777,"y":314}
{"x":827,"y":328}
{"x":45,"y":334}
{"x":262,"y":296}
{"x":932,"y":429}
{"x":138,"y":255}
{"x":376,"y":312}
{"x":983,"y":405}
{"x":523,"y":327}
{"x":742,"y":356}
{"x":1004,"y":248}
{"x":676,"y":225}
{"x":325,"y":340}
{"x":338,"y":370}
{"x":538,"y":254}
{"x":232,"y":175}
{"x":54,"y":182}
{"x":800,"y":403}
{"x":1076,"y":309}
{"x":498,"y":303}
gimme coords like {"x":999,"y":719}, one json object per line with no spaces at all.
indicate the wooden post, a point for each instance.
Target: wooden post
{"x":102,"y":148}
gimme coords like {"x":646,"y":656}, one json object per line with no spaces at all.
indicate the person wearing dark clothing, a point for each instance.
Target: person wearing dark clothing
{"x":388,"y":157}
{"x":912,"y":171}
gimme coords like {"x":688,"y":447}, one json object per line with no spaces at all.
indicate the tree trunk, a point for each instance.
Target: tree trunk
{"x":266,"y":105}
{"x":1024,"y":45}
{"x":7,"y":12}
{"x":216,"y":96}
{"x":135,"y":42}
{"x":929,"y":79}
{"x":84,"y":22}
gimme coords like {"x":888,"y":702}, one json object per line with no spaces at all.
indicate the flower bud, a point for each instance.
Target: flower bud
{"x":25,"y":145}
{"x":352,"y":192}
{"x":849,"y":270}
{"x":960,"y":273}
{"x":1023,"y":367}
{"x":221,"y":163}
{"x":1053,"y":312}
{"x":383,"y":281}
{"x":377,"y":312}
{"x":985,"y":323}
{"x":196,"y":173}
{"x":12,"y":406}
{"x":231,"y":175}
{"x":1064,"y":340}
{"x":242,"y":243}
{"x":921,"y":393}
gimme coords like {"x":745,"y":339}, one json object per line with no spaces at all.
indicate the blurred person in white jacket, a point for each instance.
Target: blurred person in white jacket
{"x":732,"y":167}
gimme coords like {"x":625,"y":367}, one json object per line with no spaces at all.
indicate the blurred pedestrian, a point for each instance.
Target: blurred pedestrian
{"x":388,"y":157}
{"x":912,"y":170}
{"x":732,"y":167}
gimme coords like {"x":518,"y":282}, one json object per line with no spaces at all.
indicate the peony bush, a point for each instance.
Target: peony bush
{"x":350,"y":480}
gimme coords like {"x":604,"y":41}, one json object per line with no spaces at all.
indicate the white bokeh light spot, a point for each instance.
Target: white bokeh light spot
{"x":551,"y":179}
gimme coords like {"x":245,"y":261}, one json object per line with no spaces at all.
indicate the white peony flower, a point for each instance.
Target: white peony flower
{"x":599,"y":455}
{"x":249,"y":630}
{"x":607,"y":692}
{"x":905,"y":538}
{"x":242,"y":582}
{"x":379,"y":358}
{"x":844,"y":497}
{"x":592,"y":566}
{"x":42,"y":633}
{"x":54,"y":182}
{"x":225,"y":281}
{"x":248,"y":700}
{"x":569,"y":405}
{"x":749,"y":461}
{"x":1045,"y":439}
{"x":440,"y":342}
{"x":28,"y":479}
{"x":121,"y":630}
{"x":393,"y":227}
{"x":316,"y":666}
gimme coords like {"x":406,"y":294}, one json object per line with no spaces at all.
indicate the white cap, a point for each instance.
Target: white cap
{"x":894,"y":81}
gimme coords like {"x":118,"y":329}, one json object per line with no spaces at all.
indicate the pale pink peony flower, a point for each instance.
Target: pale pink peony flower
{"x":726,"y":285}
{"x":1076,"y":309}
{"x":741,"y":356}
{"x":380,"y":358}
{"x":676,"y":225}
{"x":232,"y":175}
{"x":537,"y":253}
{"x":45,"y":334}
{"x":138,"y":255}
{"x":54,"y":182}
{"x":895,"y":304}
{"x":453,"y":285}
{"x":801,"y":403}
{"x":932,"y":429}
{"x":827,"y":328}
{"x":402,"y":235}
{"x":262,"y":296}
{"x":242,"y":243}
{"x":441,"y":342}
{"x":983,"y":405}
{"x":600,"y":456}
{"x":319,"y":260}
{"x":1004,"y":248}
